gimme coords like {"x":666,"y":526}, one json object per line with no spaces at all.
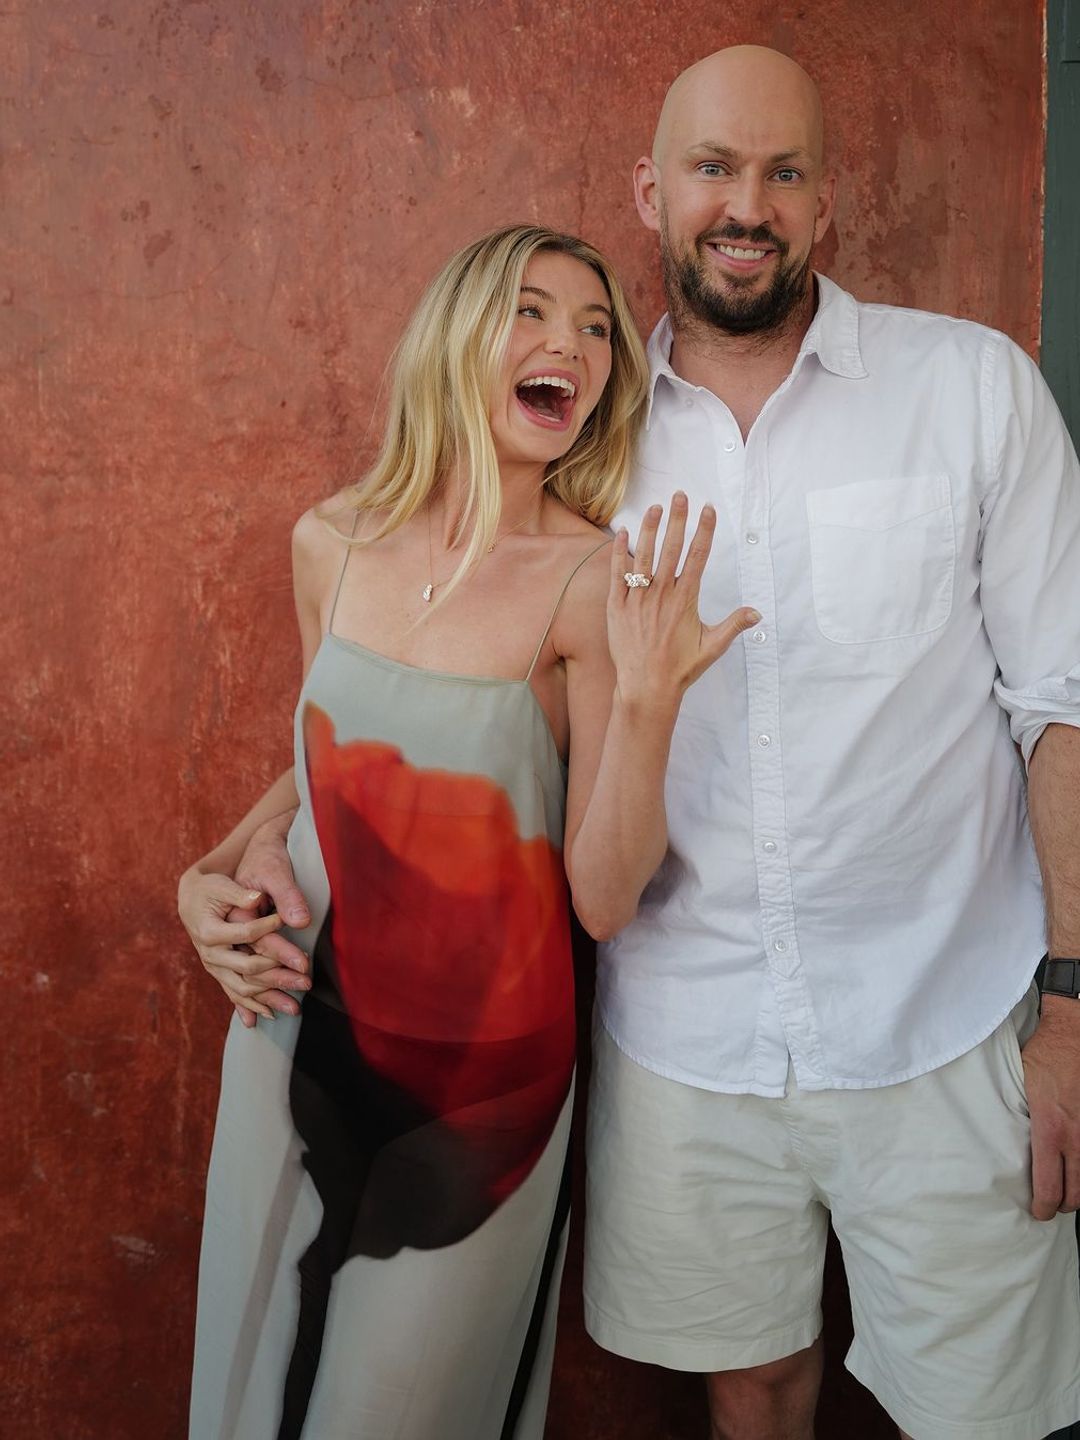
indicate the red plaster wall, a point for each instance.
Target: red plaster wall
{"x":216,"y":214}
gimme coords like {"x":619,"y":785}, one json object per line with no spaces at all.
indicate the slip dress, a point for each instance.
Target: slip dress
{"x":388,"y":1193}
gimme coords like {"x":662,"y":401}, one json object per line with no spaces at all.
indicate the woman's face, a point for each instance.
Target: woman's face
{"x":558,"y":361}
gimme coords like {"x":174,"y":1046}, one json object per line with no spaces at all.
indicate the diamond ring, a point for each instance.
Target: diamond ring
{"x":636,"y":581}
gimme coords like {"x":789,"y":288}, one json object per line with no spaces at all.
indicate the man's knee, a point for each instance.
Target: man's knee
{"x":767,"y":1402}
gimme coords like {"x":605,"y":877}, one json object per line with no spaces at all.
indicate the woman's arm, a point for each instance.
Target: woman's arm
{"x":625,"y":683}
{"x":207,"y":900}
{"x":279,"y":799}
{"x":219,"y":913}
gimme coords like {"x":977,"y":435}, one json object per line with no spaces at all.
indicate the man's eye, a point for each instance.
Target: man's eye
{"x":711,"y":168}
{"x":787,"y":176}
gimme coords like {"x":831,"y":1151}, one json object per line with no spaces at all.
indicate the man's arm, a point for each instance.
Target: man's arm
{"x":1052,"y":1056}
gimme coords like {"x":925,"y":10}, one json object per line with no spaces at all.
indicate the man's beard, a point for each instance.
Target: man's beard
{"x":738,"y":312}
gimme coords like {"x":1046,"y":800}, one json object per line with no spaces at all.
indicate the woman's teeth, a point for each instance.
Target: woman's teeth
{"x":556,"y":380}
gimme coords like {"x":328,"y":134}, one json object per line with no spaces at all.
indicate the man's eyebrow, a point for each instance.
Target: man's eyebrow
{"x":547,"y":295}
{"x":725,"y":152}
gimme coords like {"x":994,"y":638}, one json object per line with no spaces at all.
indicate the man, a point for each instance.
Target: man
{"x":820,"y":1006}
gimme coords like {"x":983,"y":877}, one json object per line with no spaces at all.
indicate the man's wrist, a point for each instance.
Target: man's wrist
{"x":1061,"y":977}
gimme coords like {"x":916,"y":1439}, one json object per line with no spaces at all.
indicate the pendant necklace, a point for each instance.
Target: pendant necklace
{"x":429,"y":588}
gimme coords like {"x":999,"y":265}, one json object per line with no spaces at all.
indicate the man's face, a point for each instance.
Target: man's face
{"x":739,"y":198}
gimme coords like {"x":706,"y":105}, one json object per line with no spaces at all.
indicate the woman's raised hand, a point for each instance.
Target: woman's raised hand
{"x":659,"y":645}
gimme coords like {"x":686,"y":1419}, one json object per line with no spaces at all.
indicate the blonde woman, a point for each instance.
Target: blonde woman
{"x":387,"y":1197}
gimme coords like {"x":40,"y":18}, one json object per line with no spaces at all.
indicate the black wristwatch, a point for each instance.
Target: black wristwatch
{"x":1061,"y":977}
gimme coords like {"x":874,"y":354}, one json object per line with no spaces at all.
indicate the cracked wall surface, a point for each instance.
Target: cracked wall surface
{"x":216,"y":215}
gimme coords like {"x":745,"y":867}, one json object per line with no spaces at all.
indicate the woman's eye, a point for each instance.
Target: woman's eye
{"x":598,"y":328}
{"x":530,"y":310}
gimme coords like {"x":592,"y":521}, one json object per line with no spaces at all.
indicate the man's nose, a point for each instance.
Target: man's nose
{"x":748,"y":202}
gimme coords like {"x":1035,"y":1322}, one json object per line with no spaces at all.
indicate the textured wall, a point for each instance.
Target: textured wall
{"x":215,"y":215}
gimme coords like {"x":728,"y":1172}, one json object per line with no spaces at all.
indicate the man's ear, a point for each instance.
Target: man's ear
{"x":647,"y":192}
{"x":825,"y":206}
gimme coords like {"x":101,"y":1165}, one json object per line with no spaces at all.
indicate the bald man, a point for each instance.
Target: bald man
{"x":824,"y":1005}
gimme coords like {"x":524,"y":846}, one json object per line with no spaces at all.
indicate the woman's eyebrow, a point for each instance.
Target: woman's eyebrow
{"x":547,"y":295}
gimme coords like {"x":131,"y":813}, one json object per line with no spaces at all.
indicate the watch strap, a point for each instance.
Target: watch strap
{"x":1062,"y":977}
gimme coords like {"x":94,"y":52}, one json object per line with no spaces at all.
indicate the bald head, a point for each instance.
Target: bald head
{"x":746,"y":90}
{"x":736,"y":188}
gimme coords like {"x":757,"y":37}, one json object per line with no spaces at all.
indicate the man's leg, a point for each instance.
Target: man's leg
{"x":767,"y":1402}
{"x":966,"y":1310}
{"x":704,"y":1237}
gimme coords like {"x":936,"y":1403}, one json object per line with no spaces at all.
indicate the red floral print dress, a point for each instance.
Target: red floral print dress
{"x":388,"y":1192}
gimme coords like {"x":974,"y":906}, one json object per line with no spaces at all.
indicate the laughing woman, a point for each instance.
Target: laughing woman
{"x":387,"y":1199}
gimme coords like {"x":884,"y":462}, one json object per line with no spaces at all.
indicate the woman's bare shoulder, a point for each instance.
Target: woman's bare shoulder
{"x":581,"y":624}
{"x":319,"y":531}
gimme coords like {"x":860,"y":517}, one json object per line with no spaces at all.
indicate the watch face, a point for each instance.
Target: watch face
{"x":1062,"y":977}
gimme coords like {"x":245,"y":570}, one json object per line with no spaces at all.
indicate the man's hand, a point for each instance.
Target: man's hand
{"x":226,"y":946}
{"x":1052,"y":1080}
{"x":265,"y":867}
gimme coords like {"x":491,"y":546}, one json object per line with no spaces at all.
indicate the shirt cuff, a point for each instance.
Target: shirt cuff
{"x":1047,"y":702}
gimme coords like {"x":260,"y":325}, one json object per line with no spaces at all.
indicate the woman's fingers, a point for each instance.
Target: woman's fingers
{"x":279,"y":951}
{"x":698,"y":553}
{"x":645,"y":548}
{"x":620,"y":563}
{"x":674,"y":535}
{"x":254,"y":991}
{"x":230,"y":933}
{"x":239,"y":962}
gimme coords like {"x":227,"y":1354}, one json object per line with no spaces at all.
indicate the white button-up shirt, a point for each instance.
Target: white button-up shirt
{"x":851,"y":880}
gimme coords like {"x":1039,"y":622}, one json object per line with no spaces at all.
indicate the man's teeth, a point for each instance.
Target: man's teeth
{"x":738,"y":253}
{"x":556,"y":380}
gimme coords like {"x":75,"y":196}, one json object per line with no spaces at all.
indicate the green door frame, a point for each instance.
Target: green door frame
{"x":1060,"y":348}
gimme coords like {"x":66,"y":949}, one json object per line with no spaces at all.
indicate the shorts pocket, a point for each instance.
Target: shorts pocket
{"x":1014,"y":1060}
{"x":882,"y":558}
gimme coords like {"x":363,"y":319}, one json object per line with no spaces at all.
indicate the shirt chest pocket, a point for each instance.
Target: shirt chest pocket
{"x":882,"y":557}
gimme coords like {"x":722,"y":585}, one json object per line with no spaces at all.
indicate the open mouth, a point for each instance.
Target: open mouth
{"x":547,"y":399}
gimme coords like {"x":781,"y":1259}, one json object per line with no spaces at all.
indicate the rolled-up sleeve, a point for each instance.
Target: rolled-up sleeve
{"x":1030,"y":546}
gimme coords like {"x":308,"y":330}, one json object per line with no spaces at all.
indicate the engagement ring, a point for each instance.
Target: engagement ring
{"x":636,"y":582}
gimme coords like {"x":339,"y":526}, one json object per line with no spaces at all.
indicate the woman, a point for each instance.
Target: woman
{"x":387,"y":1198}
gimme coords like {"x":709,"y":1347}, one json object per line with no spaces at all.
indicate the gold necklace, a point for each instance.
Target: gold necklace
{"x":429,"y":589}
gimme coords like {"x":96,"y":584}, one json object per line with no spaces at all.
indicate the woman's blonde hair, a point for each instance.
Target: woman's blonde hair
{"x":444,"y":373}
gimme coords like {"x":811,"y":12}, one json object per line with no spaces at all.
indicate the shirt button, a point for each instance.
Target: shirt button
{"x":764,"y":740}
{"x":759,"y":637}
{"x":729,"y":446}
{"x":689,"y":402}
{"x":770,"y":847}
{"x":751,"y":537}
{"x":780,"y":946}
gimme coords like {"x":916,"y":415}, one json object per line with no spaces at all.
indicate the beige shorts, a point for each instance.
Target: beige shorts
{"x":708,"y":1214}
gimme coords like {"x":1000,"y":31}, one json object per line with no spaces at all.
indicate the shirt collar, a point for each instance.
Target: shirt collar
{"x":833,"y":337}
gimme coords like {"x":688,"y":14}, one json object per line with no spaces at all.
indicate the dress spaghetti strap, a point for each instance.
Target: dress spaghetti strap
{"x":558,"y":602}
{"x":341,"y":577}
